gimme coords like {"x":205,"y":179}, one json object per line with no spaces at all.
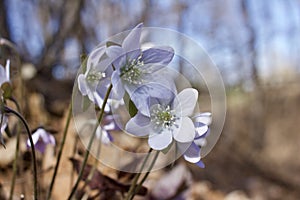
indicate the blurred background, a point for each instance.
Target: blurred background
{"x":255,"y":44}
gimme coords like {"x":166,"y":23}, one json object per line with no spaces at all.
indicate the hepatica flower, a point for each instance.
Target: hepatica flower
{"x":192,"y":153}
{"x":136,"y":69}
{"x":96,"y":79}
{"x":41,"y":138}
{"x":167,"y":120}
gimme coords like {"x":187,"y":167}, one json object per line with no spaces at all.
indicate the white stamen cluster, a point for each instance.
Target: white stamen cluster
{"x":162,"y":117}
{"x":94,"y":76}
{"x":132,"y":72}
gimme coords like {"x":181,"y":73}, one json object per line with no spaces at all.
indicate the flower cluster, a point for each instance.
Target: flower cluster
{"x":164,"y":115}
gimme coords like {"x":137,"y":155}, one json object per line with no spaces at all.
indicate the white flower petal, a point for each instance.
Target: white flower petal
{"x":4,"y":122}
{"x":117,"y":86}
{"x":141,"y":119}
{"x":201,"y":142}
{"x":82,"y":85}
{"x":114,"y":52}
{"x":104,"y":137}
{"x":186,"y":131}
{"x":3,"y":74}
{"x":140,"y":97}
{"x":139,"y":130}
{"x":132,"y":41}
{"x":204,"y":118}
{"x":99,"y":102}
{"x":46,"y":137}
{"x":201,"y":130}
{"x":43,"y":134}
{"x":35,"y":136}
{"x":185,"y":102}
{"x":7,"y":68}
{"x":161,"y":140}
{"x":94,"y":58}
{"x":110,"y":126}
{"x":51,"y":140}
{"x":192,"y":154}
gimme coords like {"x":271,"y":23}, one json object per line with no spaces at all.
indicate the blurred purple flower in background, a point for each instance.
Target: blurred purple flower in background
{"x":167,"y":120}
{"x":41,"y":138}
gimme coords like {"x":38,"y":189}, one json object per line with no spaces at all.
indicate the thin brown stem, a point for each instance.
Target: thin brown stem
{"x":15,"y":165}
{"x":87,"y":153}
{"x":137,"y":176}
{"x":35,"y":186}
{"x":146,"y":175}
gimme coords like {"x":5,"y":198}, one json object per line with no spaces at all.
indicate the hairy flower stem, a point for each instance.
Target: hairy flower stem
{"x":87,"y":153}
{"x":15,"y":164}
{"x":62,"y":144}
{"x":137,"y":176}
{"x":73,"y":155}
{"x":16,"y":104}
{"x":35,"y":185}
{"x":146,"y":175}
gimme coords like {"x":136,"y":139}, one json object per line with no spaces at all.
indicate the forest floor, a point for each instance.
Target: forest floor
{"x":255,"y":157}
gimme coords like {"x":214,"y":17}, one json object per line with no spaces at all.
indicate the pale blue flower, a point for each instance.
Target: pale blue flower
{"x":41,"y":138}
{"x":168,"y":120}
{"x":138,"y":71}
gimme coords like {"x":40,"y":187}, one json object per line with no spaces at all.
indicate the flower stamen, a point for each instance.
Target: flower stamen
{"x":132,"y":71}
{"x":94,"y":76}
{"x":163,"y":117}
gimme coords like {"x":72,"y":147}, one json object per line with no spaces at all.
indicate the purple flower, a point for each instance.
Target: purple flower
{"x":41,"y":138}
{"x":137,"y":70}
{"x":192,"y":153}
{"x":167,"y":120}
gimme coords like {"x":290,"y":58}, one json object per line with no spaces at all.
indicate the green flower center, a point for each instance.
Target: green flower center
{"x":162,"y":117}
{"x":132,"y":72}
{"x":94,"y":76}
